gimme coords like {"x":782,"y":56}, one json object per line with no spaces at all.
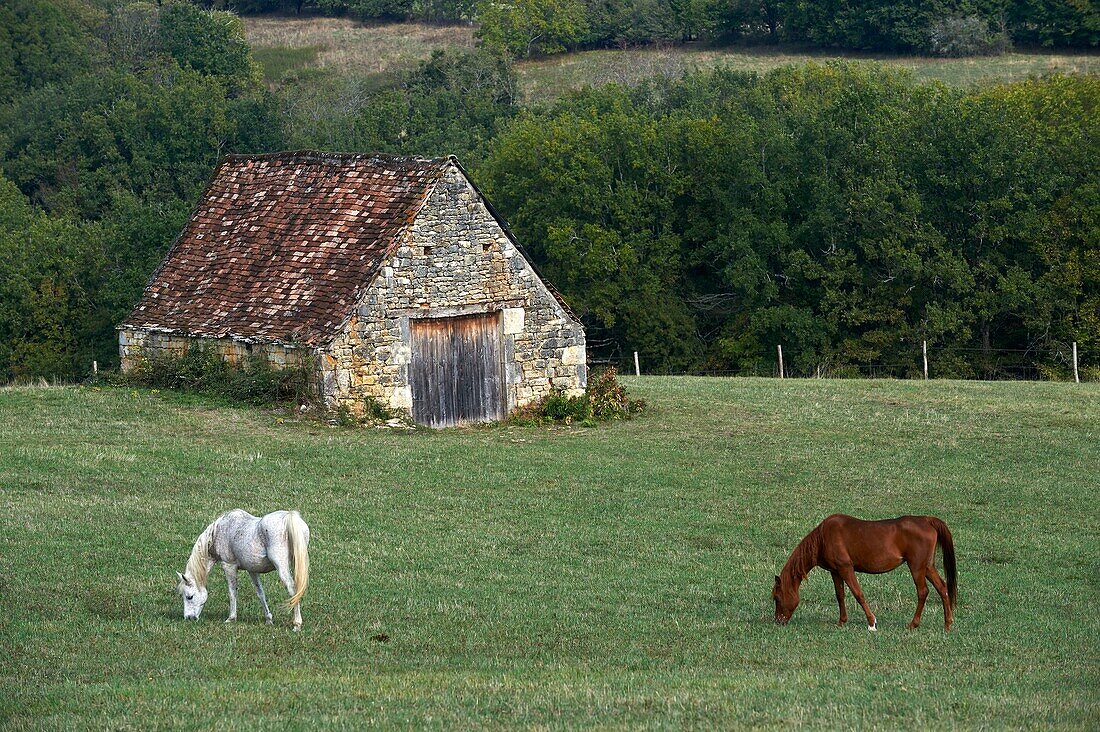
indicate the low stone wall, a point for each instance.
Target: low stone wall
{"x":136,"y":344}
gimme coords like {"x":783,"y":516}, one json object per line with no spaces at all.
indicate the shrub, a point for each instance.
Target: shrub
{"x":253,"y":381}
{"x":608,"y":398}
{"x":561,"y":408}
{"x":604,"y":399}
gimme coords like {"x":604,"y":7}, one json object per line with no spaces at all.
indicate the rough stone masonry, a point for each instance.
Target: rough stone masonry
{"x":455,"y":259}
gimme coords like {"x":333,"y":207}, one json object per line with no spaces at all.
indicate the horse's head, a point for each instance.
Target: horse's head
{"x":786,"y":600}
{"x":194,"y":597}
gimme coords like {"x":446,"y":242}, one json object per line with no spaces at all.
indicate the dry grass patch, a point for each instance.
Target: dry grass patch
{"x":551,"y":77}
{"x":345,"y":45}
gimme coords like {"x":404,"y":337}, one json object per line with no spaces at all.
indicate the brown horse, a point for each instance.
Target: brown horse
{"x":845,"y":545}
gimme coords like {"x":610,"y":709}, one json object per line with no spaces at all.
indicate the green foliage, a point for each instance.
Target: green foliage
{"x":199,"y":370}
{"x":945,"y":27}
{"x":453,"y":103}
{"x":561,"y":408}
{"x":50,"y":271}
{"x":607,"y":398}
{"x":702,"y":221}
{"x":43,"y":42}
{"x":633,"y":22}
{"x":604,"y":399}
{"x":1057,"y":23}
{"x":209,"y":42}
{"x":531,"y":27}
{"x":941,"y":27}
{"x":370,"y":9}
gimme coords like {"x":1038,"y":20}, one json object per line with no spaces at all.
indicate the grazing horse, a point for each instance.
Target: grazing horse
{"x":237,"y":539}
{"x":845,"y":545}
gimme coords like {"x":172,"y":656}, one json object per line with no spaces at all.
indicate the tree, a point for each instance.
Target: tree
{"x":531,"y":27}
{"x":209,"y":42}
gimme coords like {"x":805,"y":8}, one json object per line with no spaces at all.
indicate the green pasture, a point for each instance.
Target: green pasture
{"x":554,"y":577}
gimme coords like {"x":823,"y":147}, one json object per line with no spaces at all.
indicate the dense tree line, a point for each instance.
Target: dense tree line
{"x":536,"y":27}
{"x":844,"y":211}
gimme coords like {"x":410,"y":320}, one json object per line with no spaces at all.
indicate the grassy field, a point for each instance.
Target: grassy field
{"x":555,"y":577}
{"x":552,"y":77}
{"x":345,"y":46}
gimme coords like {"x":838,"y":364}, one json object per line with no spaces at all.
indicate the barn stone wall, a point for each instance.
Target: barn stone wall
{"x":454,"y":260}
{"x":134,"y":344}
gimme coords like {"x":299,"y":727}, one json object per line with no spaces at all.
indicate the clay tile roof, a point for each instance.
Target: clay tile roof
{"x":281,"y":245}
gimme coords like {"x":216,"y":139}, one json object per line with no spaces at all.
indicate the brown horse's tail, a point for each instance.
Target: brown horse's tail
{"x":948,"y":546}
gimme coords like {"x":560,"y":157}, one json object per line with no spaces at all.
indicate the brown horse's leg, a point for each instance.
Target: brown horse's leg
{"x":849,"y":575}
{"x":922,"y":593}
{"x":941,"y":587}
{"x":838,"y":583}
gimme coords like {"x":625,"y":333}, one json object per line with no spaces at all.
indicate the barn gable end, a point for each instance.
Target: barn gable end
{"x":455,"y":260}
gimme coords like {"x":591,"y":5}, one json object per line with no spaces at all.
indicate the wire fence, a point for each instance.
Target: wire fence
{"x":979,"y":364}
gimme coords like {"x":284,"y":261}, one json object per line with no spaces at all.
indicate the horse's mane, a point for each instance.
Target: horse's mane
{"x":199,"y":560}
{"x":804,"y":557}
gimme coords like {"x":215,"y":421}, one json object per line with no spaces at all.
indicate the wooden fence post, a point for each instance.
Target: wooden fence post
{"x":95,"y":368}
{"x":637,"y":370}
{"x":780,"y":349}
{"x":924,"y":348}
{"x":1076,"y":375}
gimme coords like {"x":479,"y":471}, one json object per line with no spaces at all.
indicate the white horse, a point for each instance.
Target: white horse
{"x":237,"y":539}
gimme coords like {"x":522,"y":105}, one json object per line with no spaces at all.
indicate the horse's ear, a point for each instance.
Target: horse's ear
{"x":182,"y":578}
{"x":777,"y":580}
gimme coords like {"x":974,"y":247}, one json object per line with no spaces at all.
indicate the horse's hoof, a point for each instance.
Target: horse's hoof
{"x":913,"y":626}
{"x":873,"y":628}
{"x":230,"y":619}
{"x":269,"y":621}
{"x":297,"y":628}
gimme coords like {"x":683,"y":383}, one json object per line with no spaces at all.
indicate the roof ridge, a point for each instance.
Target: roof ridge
{"x":335,"y":156}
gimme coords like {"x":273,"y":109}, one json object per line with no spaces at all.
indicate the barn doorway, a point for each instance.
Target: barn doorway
{"x":456,"y":370}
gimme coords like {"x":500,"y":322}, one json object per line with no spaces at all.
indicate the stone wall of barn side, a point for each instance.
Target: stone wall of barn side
{"x":135,"y":344}
{"x":454,"y":260}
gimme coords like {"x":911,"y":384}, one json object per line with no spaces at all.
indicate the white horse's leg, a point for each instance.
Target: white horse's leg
{"x":260,"y":594}
{"x":231,"y":579}
{"x":288,"y":583}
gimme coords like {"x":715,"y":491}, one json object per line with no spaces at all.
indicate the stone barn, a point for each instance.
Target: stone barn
{"x":393,"y":274}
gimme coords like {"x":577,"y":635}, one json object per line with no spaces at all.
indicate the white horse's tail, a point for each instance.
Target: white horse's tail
{"x":299,"y":549}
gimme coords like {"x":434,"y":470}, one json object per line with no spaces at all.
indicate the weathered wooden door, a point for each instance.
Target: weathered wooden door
{"x":456,"y":370}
